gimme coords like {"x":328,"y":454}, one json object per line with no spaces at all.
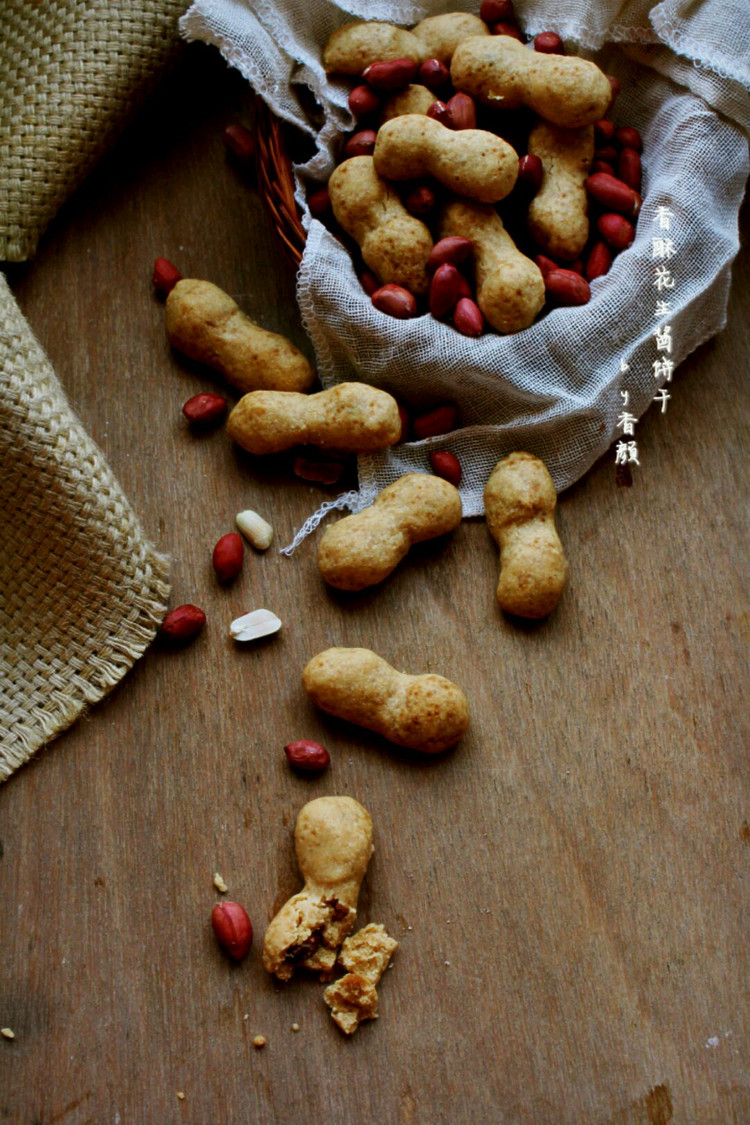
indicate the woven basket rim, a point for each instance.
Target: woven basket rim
{"x":276,"y":181}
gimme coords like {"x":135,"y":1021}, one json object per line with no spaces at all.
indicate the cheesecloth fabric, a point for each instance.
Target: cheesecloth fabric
{"x":553,"y":389}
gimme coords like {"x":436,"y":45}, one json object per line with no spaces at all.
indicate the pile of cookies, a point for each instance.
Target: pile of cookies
{"x":483,"y":182}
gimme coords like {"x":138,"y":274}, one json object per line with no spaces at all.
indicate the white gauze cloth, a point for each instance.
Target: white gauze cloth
{"x":554,"y":388}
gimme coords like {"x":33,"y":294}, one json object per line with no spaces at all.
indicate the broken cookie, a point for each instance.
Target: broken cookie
{"x":354,"y":997}
{"x":333,"y":841}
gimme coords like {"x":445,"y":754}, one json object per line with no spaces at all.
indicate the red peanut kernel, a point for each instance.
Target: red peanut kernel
{"x":317,"y":471}
{"x":462,"y":113}
{"x":227,"y":557}
{"x":604,"y":131}
{"x":421,"y":201}
{"x":438,"y":111}
{"x":616,"y":230}
{"x":628,"y":137}
{"x":395,"y":301}
{"x":165,"y":276}
{"x":507,"y":29}
{"x":613,"y":193}
{"x":233,"y":929}
{"x":531,"y":171}
{"x":629,"y":168}
{"x":307,"y":756}
{"x":361,"y":143}
{"x":565,"y":287}
{"x":495,"y":11}
{"x":549,"y":43}
{"x":464,"y":289}
{"x":240,"y":142}
{"x":369,"y":282}
{"x":598,"y":261}
{"x":391,"y":75}
{"x":433,"y":74}
{"x":443,"y":290}
{"x":446,"y":465}
{"x":182,"y":623}
{"x":363,"y":100}
{"x":453,"y":249}
{"x":319,"y":202}
{"x":607,"y":153}
{"x":545,"y":264}
{"x":205,"y":409}
{"x":441,"y":420}
{"x":468,"y":318}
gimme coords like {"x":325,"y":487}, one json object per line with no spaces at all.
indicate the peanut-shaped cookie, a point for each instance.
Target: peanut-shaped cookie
{"x":351,"y":417}
{"x":558,"y":213}
{"x":471,"y":162}
{"x":500,"y":71}
{"x":519,"y":500}
{"x":510,"y":287}
{"x":363,"y":549}
{"x":205,"y":324}
{"x":425,"y":712}
{"x":394,"y":244}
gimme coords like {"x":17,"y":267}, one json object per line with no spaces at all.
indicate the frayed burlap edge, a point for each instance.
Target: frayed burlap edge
{"x":82,"y":591}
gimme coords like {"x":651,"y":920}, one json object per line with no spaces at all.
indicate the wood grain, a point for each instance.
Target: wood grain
{"x":566,"y":887}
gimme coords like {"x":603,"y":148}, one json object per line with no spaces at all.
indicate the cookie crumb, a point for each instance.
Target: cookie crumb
{"x":295,"y":1027}
{"x":7,"y":1033}
{"x":220,"y":884}
{"x":246,"y":1016}
{"x":181,"y":1095}
{"x":259,"y":1040}
{"x":354,"y":998}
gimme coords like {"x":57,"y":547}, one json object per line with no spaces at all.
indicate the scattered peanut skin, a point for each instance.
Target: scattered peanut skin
{"x":394,"y":244}
{"x":427,"y":713}
{"x":363,"y":549}
{"x":351,"y":417}
{"x":563,"y":89}
{"x":520,"y":500}
{"x":510,"y":287}
{"x":558,"y":213}
{"x":470,"y":162}
{"x":205,"y":324}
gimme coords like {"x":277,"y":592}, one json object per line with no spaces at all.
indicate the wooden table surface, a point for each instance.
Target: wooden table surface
{"x":566,"y":886}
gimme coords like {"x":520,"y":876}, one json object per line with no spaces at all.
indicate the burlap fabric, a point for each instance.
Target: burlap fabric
{"x":81,"y":590}
{"x":71,"y":73}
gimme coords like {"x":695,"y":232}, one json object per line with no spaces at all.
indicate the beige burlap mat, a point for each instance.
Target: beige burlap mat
{"x":71,"y":73}
{"x":81,"y":590}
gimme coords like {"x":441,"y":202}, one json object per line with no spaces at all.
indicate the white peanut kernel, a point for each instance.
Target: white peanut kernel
{"x":251,"y":626}
{"x":256,"y":530}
